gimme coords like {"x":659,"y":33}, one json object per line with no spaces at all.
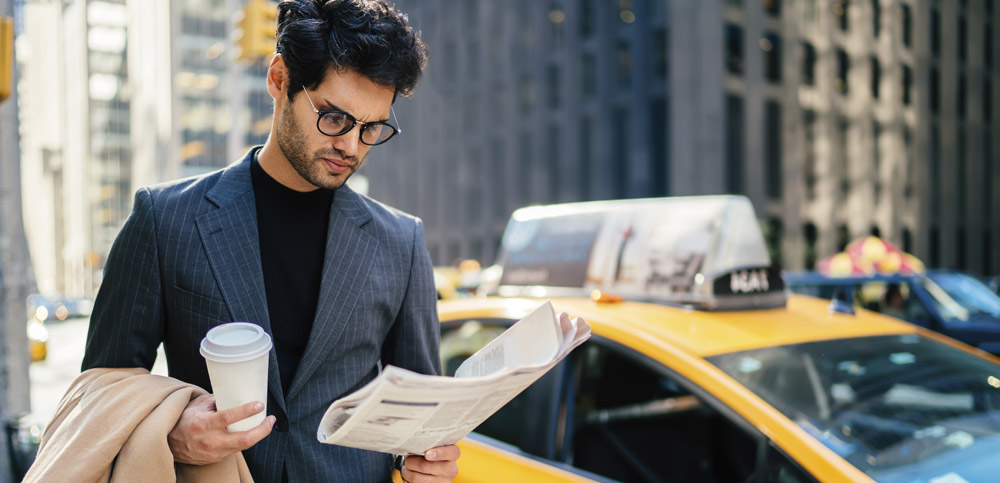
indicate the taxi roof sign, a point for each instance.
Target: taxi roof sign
{"x":706,"y":251}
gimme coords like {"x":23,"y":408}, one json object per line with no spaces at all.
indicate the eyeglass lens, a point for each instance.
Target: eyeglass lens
{"x":338,"y":123}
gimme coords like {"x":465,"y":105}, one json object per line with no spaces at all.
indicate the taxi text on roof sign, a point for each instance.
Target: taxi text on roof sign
{"x":705,"y":250}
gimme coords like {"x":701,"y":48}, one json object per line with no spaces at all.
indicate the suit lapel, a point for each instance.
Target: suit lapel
{"x":347,"y":260}
{"x":229,"y":235}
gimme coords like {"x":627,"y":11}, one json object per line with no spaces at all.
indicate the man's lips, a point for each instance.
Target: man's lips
{"x":336,"y":166}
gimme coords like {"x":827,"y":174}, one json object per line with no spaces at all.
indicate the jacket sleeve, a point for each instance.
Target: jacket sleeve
{"x":127,"y":322}
{"x":413,"y":341}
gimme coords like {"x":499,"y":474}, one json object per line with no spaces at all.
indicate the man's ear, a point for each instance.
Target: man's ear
{"x":277,"y":77}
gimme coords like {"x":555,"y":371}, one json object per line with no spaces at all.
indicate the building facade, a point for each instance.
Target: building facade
{"x":75,"y":144}
{"x":117,"y":95}
{"x":837,"y":118}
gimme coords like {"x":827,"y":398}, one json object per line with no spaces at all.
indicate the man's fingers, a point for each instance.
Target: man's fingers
{"x":250,"y":437}
{"x":222,"y":419}
{"x":443,"y":453}
{"x":441,"y":469}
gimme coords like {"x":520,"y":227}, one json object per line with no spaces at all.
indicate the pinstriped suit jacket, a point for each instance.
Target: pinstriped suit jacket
{"x":188,"y":259}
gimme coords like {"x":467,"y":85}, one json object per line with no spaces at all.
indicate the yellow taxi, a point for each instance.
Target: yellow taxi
{"x":703,"y":368}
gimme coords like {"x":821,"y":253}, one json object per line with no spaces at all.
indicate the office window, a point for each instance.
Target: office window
{"x":934,"y":247}
{"x":808,"y":74}
{"x":586,"y":156}
{"x":498,"y":179}
{"x":811,"y":235}
{"x":734,"y":49}
{"x":987,"y":100}
{"x":472,"y":56}
{"x":841,"y":11}
{"x":659,"y":134}
{"x":554,"y":85}
{"x":934,"y":88}
{"x":987,"y":253}
{"x":875,"y":70}
{"x":527,"y":164}
{"x":772,"y":7}
{"x":772,"y":148}
{"x":620,"y":172}
{"x":876,"y":18}
{"x":809,"y":152}
{"x":586,"y":18}
{"x":877,"y":160}
{"x":935,"y":31}
{"x":843,"y":65}
{"x":735,"y":142}
{"x":909,"y":168}
{"x":962,"y":172}
{"x":907,"y":84}
{"x":987,"y":176}
{"x":557,"y":25}
{"x":771,"y":45}
{"x":843,"y":237}
{"x":773,"y":228}
{"x":589,"y":75}
{"x":961,"y":260}
{"x":961,"y":98}
{"x":963,"y":38}
{"x":988,"y":45}
{"x":660,"y":53}
{"x":907,"y":20}
{"x":624,"y":56}
{"x":555,"y":183}
{"x":841,"y":167}
{"x":934,"y":177}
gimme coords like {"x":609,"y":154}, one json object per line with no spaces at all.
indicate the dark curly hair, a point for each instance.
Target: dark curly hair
{"x":370,"y":37}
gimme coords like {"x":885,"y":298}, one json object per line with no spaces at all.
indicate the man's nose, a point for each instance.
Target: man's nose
{"x":347,"y":143}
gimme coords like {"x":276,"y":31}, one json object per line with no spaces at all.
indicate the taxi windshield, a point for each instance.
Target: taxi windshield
{"x":966,"y":291}
{"x":900,"y":407}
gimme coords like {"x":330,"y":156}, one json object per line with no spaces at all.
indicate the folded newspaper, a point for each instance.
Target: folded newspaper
{"x":403,"y":412}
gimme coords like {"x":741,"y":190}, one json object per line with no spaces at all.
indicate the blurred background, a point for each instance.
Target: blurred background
{"x":837,"y":118}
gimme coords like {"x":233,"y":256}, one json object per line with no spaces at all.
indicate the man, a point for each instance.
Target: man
{"x":343,"y":284}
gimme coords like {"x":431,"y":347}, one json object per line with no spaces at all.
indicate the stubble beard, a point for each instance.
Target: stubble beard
{"x":292,"y":142}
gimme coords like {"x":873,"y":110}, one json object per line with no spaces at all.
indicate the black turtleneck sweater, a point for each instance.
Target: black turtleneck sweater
{"x":292,"y":228}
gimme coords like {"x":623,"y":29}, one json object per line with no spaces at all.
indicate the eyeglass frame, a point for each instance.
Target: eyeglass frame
{"x":354,"y":122}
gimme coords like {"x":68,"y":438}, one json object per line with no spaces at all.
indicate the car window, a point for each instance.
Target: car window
{"x":898,"y":407}
{"x":530,"y":409}
{"x":632,"y":423}
{"x":977,"y":298}
{"x":781,"y":469}
{"x":893,"y":299}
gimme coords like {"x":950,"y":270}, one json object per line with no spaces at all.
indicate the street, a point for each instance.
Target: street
{"x":50,"y":378}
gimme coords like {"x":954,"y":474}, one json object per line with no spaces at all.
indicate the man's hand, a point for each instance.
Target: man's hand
{"x":435,"y":466}
{"x":200,"y":436}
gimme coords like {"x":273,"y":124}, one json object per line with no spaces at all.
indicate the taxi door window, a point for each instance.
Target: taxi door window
{"x":631,"y":423}
{"x":522,"y":421}
{"x":781,"y":469}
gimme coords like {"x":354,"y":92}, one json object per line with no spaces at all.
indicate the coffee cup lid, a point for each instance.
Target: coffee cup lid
{"x":235,"y":342}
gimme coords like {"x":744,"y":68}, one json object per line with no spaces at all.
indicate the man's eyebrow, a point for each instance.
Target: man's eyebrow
{"x":333,"y":107}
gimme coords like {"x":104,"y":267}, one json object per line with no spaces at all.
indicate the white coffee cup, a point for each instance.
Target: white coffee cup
{"x":236,"y":356}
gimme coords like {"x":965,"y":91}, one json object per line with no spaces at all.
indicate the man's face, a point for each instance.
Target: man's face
{"x":327,"y":161}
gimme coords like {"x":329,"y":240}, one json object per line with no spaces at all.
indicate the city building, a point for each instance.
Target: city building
{"x":116,"y":95}
{"x":837,"y":118}
{"x":196,"y":108}
{"x":75,"y":138}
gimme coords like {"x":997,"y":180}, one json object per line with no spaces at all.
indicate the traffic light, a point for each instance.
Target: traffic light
{"x":6,"y":57}
{"x":255,"y":30}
